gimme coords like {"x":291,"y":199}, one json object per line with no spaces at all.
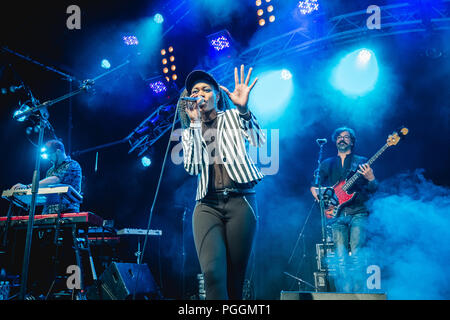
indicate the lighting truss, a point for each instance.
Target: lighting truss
{"x":351,"y":27}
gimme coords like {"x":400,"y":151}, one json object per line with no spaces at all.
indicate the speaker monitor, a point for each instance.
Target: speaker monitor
{"x":123,"y":281}
{"x":306,"y":295}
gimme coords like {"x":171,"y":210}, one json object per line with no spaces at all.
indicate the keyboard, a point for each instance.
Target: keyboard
{"x":138,"y":232}
{"x":45,"y":196}
{"x":88,"y":218}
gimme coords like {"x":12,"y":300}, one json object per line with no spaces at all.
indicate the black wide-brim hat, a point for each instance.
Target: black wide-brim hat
{"x":198,"y":75}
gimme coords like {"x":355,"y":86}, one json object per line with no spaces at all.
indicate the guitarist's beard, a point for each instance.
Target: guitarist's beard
{"x":343,"y":147}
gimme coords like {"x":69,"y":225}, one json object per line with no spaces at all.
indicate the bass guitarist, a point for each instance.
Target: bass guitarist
{"x":349,"y":225}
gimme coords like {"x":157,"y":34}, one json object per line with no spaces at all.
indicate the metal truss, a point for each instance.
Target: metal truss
{"x":351,"y":27}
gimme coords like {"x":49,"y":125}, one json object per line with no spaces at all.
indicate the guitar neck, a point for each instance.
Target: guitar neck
{"x":355,"y":177}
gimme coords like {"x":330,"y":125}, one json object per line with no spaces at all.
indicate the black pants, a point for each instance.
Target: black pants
{"x":224,"y":228}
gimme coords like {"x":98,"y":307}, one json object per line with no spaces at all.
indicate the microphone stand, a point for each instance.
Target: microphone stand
{"x":301,"y":281}
{"x":155,"y":197}
{"x":32,"y":209}
{"x":322,"y":206}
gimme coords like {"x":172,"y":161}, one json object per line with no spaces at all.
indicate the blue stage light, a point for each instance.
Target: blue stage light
{"x":44,"y":154}
{"x":308,"y":6}
{"x":271,"y":95}
{"x":364,"y":56}
{"x":23,"y":108}
{"x":158,"y":18}
{"x":130,"y":40}
{"x":105,"y":64}
{"x":286,"y":74}
{"x":146,"y":162}
{"x":158,"y":87}
{"x":357,"y":73}
{"x":220,"y":43}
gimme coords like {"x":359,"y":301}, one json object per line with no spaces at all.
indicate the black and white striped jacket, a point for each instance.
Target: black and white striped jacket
{"x":233,"y":134}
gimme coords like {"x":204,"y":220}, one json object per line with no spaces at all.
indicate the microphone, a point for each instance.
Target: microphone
{"x":321,"y":141}
{"x":191,"y":99}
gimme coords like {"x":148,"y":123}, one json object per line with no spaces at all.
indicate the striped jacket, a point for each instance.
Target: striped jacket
{"x":233,"y":134}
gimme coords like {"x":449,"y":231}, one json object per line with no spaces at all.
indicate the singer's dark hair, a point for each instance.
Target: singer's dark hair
{"x":223,"y":104}
{"x":338,"y":131}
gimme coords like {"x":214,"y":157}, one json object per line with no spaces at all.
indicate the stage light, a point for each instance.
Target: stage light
{"x":23,"y":108}
{"x":364,"y":56}
{"x":130,"y":40}
{"x":146,"y":162}
{"x":272,"y":94}
{"x":44,"y":154}
{"x":220,"y":43}
{"x":262,"y":8}
{"x":158,"y":18}
{"x":105,"y":64}
{"x":356,"y":74}
{"x":158,"y":87}
{"x":174,"y":77}
{"x":166,"y":69}
{"x":286,"y":74}
{"x":308,"y":6}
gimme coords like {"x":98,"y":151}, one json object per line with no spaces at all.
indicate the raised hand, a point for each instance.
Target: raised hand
{"x":241,"y":92}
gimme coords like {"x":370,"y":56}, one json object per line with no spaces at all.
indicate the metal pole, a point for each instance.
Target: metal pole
{"x":32,"y":209}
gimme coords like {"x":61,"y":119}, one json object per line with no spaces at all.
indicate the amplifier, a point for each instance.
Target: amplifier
{"x":324,"y":283}
{"x":322,"y":261}
{"x":122,"y":281}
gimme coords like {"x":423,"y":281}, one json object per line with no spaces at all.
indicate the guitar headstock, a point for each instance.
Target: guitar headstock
{"x":395,"y":137}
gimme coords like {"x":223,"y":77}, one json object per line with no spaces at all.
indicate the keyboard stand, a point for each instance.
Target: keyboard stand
{"x":80,"y":244}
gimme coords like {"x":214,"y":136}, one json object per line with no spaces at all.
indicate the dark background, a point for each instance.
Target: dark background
{"x":415,"y":94}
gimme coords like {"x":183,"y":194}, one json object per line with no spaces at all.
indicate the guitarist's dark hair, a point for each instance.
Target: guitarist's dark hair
{"x":338,"y":131}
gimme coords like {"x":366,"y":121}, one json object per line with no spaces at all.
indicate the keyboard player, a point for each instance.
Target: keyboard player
{"x":63,"y":171}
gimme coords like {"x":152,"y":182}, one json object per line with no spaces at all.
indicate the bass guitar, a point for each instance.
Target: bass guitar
{"x":338,"y":196}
